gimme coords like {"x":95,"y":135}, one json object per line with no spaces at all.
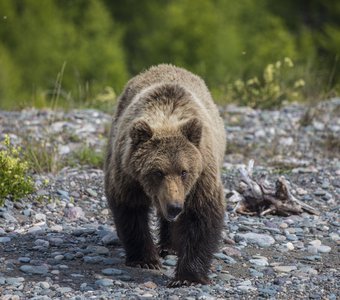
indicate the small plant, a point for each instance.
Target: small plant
{"x":276,"y":85}
{"x":14,"y":180}
{"x":87,"y":155}
{"x":43,"y":156}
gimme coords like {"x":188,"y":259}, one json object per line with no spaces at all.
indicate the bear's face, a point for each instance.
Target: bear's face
{"x":167,"y":167}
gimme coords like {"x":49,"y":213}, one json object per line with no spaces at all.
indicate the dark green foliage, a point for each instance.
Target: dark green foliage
{"x":68,"y":51}
{"x":77,"y":39}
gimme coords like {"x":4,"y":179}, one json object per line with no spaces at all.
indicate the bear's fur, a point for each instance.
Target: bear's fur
{"x":165,"y":150}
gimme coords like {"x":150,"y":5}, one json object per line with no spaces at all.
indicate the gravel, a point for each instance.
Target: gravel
{"x":61,"y":243}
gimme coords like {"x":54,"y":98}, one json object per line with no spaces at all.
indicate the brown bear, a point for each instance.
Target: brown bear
{"x":166,"y":147}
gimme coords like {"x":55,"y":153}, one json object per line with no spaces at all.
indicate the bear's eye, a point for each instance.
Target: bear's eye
{"x":159,"y":174}
{"x":184,"y":174}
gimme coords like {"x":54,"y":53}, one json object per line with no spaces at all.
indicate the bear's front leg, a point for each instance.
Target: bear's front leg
{"x":133,"y":230}
{"x":165,"y":246}
{"x":197,"y":234}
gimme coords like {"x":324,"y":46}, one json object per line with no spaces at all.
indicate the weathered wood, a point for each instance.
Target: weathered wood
{"x":261,"y":198}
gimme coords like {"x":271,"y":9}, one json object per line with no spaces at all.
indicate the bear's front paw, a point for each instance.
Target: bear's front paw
{"x":186,"y":282}
{"x":154,"y":265}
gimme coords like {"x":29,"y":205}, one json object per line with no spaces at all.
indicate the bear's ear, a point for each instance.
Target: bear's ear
{"x":140,"y":132}
{"x":192,"y":130}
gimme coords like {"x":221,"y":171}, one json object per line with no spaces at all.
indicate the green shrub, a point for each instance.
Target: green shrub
{"x":276,"y":85}
{"x":14,"y":180}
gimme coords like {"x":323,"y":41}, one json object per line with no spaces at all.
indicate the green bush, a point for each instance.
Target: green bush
{"x":276,"y":85}
{"x":14,"y":180}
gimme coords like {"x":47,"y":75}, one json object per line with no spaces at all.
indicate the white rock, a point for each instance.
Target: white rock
{"x":284,"y":269}
{"x":315,"y":243}
{"x":290,"y":246}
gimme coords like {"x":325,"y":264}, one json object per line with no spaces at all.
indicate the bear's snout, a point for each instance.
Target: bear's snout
{"x":173,"y":210}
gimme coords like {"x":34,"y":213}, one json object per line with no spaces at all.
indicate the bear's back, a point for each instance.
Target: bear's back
{"x":165,"y":74}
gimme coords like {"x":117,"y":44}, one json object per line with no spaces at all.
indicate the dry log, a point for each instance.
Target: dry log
{"x":261,"y":198}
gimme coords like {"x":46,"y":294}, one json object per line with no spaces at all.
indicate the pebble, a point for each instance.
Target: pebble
{"x":262,"y":262}
{"x":44,"y":285}
{"x":112,"y":271}
{"x":283,"y":225}
{"x":5,"y":239}
{"x":15,"y":281}
{"x":262,"y":240}
{"x":93,"y":259}
{"x":37,"y":270}
{"x":290,"y":246}
{"x":74,"y":213}
{"x":24,"y":260}
{"x":315,"y":243}
{"x":150,"y":285}
{"x":324,"y":249}
{"x":111,"y":239}
{"x":104,"y":282}
{"x":100,"y":250}
{"x":92,"y":192}
{"x":284,"y":269}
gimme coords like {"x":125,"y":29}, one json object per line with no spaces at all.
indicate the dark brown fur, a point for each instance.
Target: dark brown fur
{"x":166,"y":148}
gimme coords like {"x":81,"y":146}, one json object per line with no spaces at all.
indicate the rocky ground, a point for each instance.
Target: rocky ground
{"x":60,"y":242}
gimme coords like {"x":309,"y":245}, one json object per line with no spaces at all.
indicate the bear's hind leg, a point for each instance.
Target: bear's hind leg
{"x":133,"y":230}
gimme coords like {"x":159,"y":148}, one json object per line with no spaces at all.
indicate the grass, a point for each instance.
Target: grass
{"x":88,"y":156}
{"x":44,"y":157}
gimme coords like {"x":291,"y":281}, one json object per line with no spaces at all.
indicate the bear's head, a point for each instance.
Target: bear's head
{"x":166,"y":165}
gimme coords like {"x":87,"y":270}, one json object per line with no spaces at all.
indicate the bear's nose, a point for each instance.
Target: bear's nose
{"x":174,"y":209}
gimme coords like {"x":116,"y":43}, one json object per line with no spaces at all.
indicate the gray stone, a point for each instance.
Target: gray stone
{"x":262,"y":240}
{"x":41,"y":243}
{"x":5,"y":239}
{"x":64,"y":290}
{"x":112,"y":271}
{"x":262,"y":262}
{"x":93,"y":259}
{"x":220,"y":256}
{"x":35,"y":230}
{"x":100,"y":250}
{"x":105,"y":282}
{"x":44,"y":285}
{"x":319,"y":192}
{"x":324,"y":249}
{"x":15,"y":281}
{"x":91,"y":192}
{"x":56,"y":241}
{"x":37,"y":270}
{"x":111,"y":239}
{"x":74,"y":213}
{"x":24,"y":259}
{"x":284,"y":269}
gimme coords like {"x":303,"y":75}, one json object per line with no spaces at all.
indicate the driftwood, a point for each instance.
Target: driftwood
{"x":260,"y":198}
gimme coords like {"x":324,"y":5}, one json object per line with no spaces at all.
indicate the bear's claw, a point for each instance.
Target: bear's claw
{"x":145,"y":265}
{"x":177,"y":283}
{"x":187,"y":282}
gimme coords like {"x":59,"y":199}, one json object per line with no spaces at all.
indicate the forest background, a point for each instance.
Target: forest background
{"x":80,"y":53}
